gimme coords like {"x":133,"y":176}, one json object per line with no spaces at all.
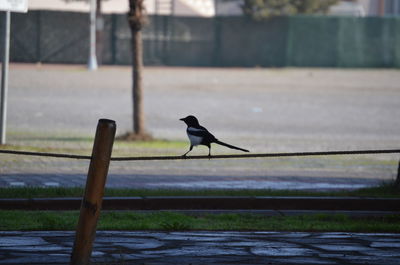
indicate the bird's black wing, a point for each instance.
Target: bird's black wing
{"x":200,"y":131}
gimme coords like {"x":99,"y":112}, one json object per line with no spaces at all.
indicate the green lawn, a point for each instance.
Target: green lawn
{"x":170,"y":221}
{"x":130,"y":220}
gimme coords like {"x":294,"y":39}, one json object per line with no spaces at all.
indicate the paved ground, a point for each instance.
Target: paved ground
{"x":287,"y":109}
{"x":205,"y":248}
{"x":264,"y":110}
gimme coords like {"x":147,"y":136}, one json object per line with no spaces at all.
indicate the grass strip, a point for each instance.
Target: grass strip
{"x":83,"y":146}
{"x":171,"y":221}
{"x":387,"y":190}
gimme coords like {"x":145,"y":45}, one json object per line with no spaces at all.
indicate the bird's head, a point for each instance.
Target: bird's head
{"x":190,"y":120}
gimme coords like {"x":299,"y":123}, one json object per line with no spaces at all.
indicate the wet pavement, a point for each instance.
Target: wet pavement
{"x":189,"y":181}
{"x":205,"y":247}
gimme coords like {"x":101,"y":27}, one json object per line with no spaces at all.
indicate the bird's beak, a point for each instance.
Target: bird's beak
{"x":183,"y":119}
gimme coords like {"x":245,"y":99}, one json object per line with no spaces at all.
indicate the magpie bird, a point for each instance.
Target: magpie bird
{"x":198,"y":135}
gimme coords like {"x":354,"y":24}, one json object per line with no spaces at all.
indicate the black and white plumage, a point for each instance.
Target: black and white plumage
{"x":198,"y":135}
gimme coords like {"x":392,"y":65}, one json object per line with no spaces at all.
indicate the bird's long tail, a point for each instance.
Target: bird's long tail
{"x":230,"y":146}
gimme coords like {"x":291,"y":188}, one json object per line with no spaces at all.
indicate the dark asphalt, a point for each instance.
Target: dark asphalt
{"x":195,"y":180}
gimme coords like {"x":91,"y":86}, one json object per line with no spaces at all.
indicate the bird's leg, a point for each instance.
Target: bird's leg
{"x":209,"y":152}
{"x":190,"y":149}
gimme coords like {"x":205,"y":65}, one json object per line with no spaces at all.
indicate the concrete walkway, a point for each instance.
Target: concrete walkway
{"x":202,"y":247}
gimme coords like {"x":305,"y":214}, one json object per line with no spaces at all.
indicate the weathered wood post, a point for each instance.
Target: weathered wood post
{"x":94,"y":191}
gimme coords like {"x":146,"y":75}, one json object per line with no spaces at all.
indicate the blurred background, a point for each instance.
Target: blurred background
{"x":214,"y":33}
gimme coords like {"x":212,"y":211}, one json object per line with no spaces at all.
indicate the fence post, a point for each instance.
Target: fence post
{"x":39,"y":36}
{"x":94,"y":191}
{"x":114,"y":39}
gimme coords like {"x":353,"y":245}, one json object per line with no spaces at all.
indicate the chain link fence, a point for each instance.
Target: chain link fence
{"x":317,"y":41}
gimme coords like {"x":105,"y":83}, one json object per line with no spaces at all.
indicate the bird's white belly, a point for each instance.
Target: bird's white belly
{"x":194,"y":140}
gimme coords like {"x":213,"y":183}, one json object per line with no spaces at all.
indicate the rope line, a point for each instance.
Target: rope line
{"x":28,"y":153}
{"x":259,"y":155}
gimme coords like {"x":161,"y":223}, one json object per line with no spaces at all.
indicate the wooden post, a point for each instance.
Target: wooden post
{"x":94,"y":191}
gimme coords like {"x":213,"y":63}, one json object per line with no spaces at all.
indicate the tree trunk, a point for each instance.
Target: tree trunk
{"x":136,"y":19}
{"x":381,"y":8}
{"x":137,"y":89}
